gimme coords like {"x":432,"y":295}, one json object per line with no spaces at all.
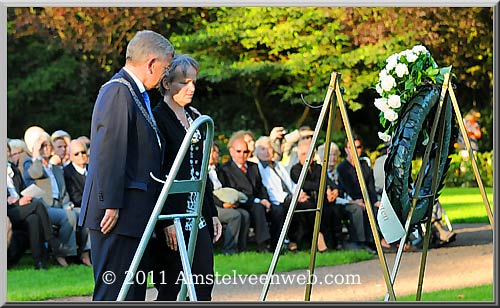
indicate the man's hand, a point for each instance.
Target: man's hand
{"x":332,"y":194}
{"x":25,"y":200}
{"x":22,"y":201}
{"x":227,"y":205}
{"x":109,"y":220}
{"x":217,"y":228}
{"x":55,"y":160}
{"x":265,"y":203}
{"x":37,"y":146}
{"x":170,"y":236}
{"x":303,"y":197}
{"x":276,"y":133}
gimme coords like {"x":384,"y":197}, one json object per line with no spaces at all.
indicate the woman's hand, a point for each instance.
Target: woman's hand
{"x":170,"y":236}
{"x":217,"y":228}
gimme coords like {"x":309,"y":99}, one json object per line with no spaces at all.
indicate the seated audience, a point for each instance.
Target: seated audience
{"x":29,"y":214}
{"x":50,"y":178}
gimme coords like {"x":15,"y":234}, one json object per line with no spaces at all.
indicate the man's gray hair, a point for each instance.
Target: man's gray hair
{"x":146,"y":43}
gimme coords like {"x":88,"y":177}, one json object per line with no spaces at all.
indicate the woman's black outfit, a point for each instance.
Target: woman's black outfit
{"x":166,"y":262}
{"x":34,"y":219}
{"x":330,"y":216}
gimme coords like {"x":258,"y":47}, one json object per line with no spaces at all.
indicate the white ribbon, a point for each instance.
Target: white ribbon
{"x":388,"y":221}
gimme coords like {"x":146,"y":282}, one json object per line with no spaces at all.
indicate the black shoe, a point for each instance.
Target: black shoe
{"x":263,"y":247}
{"x":40,"y":265}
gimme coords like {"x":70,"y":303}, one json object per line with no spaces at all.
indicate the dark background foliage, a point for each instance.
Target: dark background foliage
{"x":255,"y":62}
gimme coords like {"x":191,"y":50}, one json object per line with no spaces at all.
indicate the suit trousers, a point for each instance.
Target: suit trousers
{"x":66,"y":221}
{"x":236,"y":232}
{"x":34,"y":219}
{"x":111,"y":256}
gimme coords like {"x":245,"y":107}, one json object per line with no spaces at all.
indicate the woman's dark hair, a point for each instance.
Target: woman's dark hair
{"x":180,"y":60}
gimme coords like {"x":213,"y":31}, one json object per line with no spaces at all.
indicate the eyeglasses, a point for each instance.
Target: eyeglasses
{"x":244,"y":152}
{"x":17,"y":153}
{"x":359,"y":147}
{"x":81,"y":152}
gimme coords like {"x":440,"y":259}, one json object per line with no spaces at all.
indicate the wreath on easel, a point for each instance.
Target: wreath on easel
{"x":410,"y":87}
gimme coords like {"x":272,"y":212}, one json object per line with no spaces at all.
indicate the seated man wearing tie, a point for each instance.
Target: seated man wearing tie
{"x":278,"y":183}
{"x":244,"y":176}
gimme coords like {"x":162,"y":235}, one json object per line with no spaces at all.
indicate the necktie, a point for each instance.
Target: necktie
{"x":243,"y":168}
{"x":148,"y":103}
{"x":283,"y":185}
{"x":148,"y":107}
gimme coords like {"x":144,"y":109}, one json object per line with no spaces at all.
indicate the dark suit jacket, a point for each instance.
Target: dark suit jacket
{"x":124,"y":151}
{"x":75,"y":183}
{"x":349,"y":184}
{"x":250,"y":183}
{"x":35,"y":173}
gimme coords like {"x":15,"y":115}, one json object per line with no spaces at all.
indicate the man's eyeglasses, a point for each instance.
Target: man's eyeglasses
{"x":244,"y":152}
{"x":17,"y":153}
{"x":81,"y":152}
{"x":359,"y":147}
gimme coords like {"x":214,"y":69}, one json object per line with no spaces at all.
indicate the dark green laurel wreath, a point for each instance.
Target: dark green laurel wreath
{"x":412,"y":129}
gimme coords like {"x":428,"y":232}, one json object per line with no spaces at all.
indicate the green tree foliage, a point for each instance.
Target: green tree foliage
{"x":256,"y":62}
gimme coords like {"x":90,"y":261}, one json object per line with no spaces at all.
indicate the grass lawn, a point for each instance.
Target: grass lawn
{"x":26,"y":284}
{"x":482,"y":293}
{"x":463,"y":205}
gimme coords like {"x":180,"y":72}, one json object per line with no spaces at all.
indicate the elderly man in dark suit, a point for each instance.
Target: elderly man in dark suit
{"x":75,"y":174}
{"x":244,"y":176}
{"x":119,"y":194}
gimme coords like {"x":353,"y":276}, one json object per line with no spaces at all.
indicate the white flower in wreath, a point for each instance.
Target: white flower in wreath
{"x":410,"y":56}
{"x":378,"y":88}
{"x":401,"y":70}
{"x":392,"y":61}
{"x":385,"y":137}
{"x":382,"y":73}
{"x":387,"y":82}
{"x":391,"y":115}
{"x":381,"y":104}
{"x":418,"y":49}
{"x":394,"y":101}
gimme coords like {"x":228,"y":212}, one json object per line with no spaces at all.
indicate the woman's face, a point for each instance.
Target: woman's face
{"x":250,"y":142}
{"x":183,"y":86}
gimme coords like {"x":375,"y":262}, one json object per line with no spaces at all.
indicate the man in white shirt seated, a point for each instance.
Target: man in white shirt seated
{"x":278,"y":183}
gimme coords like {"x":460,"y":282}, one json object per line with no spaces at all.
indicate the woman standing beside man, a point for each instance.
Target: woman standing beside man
{"x":174,"y":116}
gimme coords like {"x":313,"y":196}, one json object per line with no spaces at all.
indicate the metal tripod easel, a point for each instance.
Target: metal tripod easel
{"x":439,"y":117}
{"x":172,"y":186}
{"x":333,"y":87}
